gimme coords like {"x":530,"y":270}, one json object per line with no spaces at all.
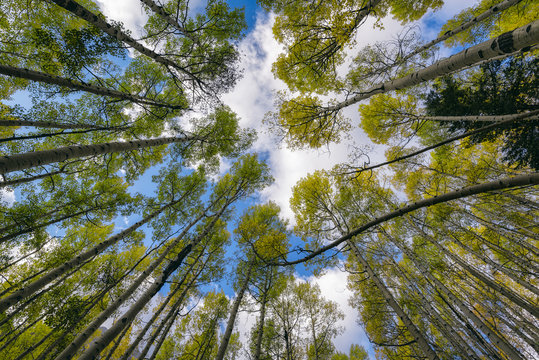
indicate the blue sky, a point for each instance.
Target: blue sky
{"x":253,"y":97}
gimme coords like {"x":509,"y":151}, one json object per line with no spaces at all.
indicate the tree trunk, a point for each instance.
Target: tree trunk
{"x":502,"y":289}
{"x":506,"y":183}
{"x":48,"y":135}
{"x":520,"y":39}
{"x":85,"y":334}
{"x":49,"y":124}
{"x":141,"y":334}
{"x":492,"y":10}
{"x":260,"y":334}
{"x":233,"y":314}
{"x":167,"y":325}
{"x":94,"y":301}
{"x":531,"y":115}
{"x":114,"y":31}
{"x":441,"y":324}
{"x":508,"y":119}
{"x":38,"y":158}
{"x":117,"y":343}
{"x":497,"y":267}
{"x":104,"y":339}
{"x":500,"y":343}
{"x":412,"y":329}
{"x":108,"y":335}
{"x":53,"y":274}
{"x":496,"y":248}
{"x":76,"y":85}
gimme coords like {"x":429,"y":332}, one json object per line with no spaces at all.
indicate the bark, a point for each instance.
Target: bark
{"x":260,"y":334}
{"x":509,"y":119}
{"x":506,"y":183}
{"x":520,"y":39}
{"x":117,"y":343}
{"x":115,"y":32}
{"x":47,"y":135}
{"x":38,"y":158}
{"x":96,"y":299}
{"x":167,"y":325}
{"x":141,"y":334}
{"x":422,"y":343}
{"x":497,"y":267}
{"x":493,"y":337}
{"x":523,"y":259}
{"x":105,"y":338}
{"x":525,"y":266}
{"x":53,"y":274}
{"x":477,"y":339}
{"x":523,"y":329}
{"x":80,"y":86}
{"x":233,"y":314}
{"x":50,"y":124}
{"x":29,"y":301}
{"x":491,"y":11}
{"x":159,"y":10}
{"x":85,"y":334}
{"x":502,"y":289}
{"x":144,"y":330}
{"x":517,"y":330}
{"x":483,"y":118}
{"x":441,"y":324}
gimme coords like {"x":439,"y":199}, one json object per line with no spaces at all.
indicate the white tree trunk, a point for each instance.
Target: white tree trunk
{"x":84,"y":335}
{"x":410,"y":326}
{"x":76,"y":85}
{"x":38,"y":158}
{"x":506,"y":183}
{"x":104,"y":339}
{"x":500,"y":343}
{"x":443,"y":326}
{"x":508,"y":119}
{"x":233,"y":314}
{"x":114,"y":31}
{"x":53,"y":274}
{"x":491,"y":11}
{"x":520,"y":39}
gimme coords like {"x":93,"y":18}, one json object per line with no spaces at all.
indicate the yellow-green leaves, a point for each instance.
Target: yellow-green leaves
{"x":387,"y":117}
{"x":306,"y":123}
{"x":261,"y":231}
{"x":508,"y":20}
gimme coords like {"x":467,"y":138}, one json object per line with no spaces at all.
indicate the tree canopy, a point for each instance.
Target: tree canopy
{"x":439,"y":243}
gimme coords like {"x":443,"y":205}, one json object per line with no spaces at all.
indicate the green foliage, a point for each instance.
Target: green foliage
{"x":517,"y":15}
{"x":500,"y":87}
{"x":307,"y":123}
{"x":219,"y":135}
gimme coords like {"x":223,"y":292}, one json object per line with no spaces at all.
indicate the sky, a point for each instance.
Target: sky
{"x":253,"y":97}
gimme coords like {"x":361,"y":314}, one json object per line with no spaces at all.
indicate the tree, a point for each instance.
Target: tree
{"x":260,"y":233}
{"x":327,"y":207}
{"x":501,"y":87}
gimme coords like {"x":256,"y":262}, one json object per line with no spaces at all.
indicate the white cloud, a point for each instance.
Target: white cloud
{"x":333,"y":285}
{"x":253,"y":97}
{"x":7,"y":197}
{"x":129,"y":12}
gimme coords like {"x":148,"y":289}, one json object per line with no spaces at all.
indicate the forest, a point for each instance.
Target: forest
{"x":131,"y":195}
